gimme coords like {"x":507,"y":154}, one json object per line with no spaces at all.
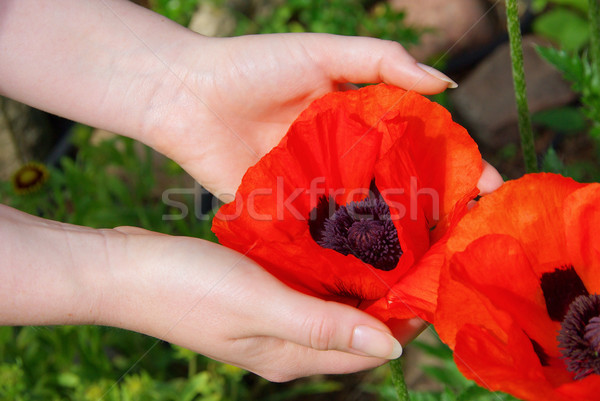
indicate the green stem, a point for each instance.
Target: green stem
{"x":594,"y":17}
{"x":398,"y":379}
{"x":516,"y":55}
{"x":192,"y":366}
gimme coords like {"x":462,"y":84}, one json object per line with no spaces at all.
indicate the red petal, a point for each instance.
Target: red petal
{"x":527,"y":209}
{"x":496,"y":267}
{"x":582,"y":221}
{"x":416,"y":293}
{"x":508,"y":365}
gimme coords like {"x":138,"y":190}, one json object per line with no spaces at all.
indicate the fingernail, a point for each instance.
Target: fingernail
{"x":375,"y":343}
{"x":438,"y":74}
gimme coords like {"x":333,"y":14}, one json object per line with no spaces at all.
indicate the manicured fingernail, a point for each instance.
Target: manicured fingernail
{"x":375,"y":343}
{"x":438,"y":75}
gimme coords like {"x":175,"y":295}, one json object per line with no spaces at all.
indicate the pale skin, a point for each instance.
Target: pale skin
{"x":215,"y":106}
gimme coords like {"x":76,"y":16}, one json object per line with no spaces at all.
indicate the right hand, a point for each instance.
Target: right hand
{"x":216,"y":302}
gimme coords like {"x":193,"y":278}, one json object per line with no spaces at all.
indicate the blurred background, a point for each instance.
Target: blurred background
{"x":69,"y":172}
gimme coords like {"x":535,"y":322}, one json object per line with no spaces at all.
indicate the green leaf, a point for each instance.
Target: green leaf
{"x":448,"y":375}
{"x":581,"y":5}
{"x":572,"y":67}
{"x":564,"y":27}
{"x":564,"y":119}
{"x":68,"y":379}
{"x":420,"y":396}
{"x":552,"y":163}
{"x":448,"y":395}
{"x":439,"y":350}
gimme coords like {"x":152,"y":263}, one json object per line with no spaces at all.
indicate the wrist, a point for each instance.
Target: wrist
{"x":177,"y":107}
{"x":136,"y":284}
{"x":50,"y":271}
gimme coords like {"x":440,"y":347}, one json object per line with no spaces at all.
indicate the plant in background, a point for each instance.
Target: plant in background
{"x":343,"y":17}
{"x":580,"y":71}
{"x":578,"y":58}
{"x":562,"y":21}
{"x":180,"y":11}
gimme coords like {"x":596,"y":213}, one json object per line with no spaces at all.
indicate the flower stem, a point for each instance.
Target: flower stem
{"x":516,"y":55}
{"x":594,"y":20}
{"x":398,"y":379}
{"x":192,"y":366}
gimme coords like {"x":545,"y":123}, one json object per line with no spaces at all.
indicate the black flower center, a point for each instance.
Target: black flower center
{"x":569,"y":302}
{"x":579,"y":336}
{"x":365,"y":230}
{"x":560,"y":289}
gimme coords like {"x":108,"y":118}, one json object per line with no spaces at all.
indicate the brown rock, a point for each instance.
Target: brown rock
{"x":452,"y":25}
{"x":485,"y":100}
{"x":209,"y":20}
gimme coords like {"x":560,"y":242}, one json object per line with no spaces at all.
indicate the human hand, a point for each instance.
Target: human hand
{"x":239,"y":95}
{"x":270,"y":79}
{"x":214,"y":105}
{"x":215,"y":301}
{"x":219,"y":303}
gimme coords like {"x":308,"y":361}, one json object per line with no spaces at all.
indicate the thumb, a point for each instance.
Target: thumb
{"x":370,"y":60}
{"x":490,"y":179}
{"x":322,"y":325}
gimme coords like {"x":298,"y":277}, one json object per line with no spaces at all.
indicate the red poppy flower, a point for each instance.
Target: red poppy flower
{"x":354,"y":196}
{"x":518,"y":298}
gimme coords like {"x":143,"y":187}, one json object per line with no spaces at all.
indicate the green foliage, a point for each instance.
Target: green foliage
{"x":343,"y":17}
{"x":89,"y":362}
{"x":580,"y":170}
{"x":563,"y":22}
{"x":578,"y":70}
{"x":567,"y":119}
{"x":456,"y":386}
{"x":180,"y":11}
{"x":552,"y":163}
{"x":565,"y":27}
{"x":540,"y":5}
{"x":109,"y":184}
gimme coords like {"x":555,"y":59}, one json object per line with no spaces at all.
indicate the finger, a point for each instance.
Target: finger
{"x":279,"y":361}
{"x":321,"y":325}
{"x":369,"y":60}
{"x":135,"y":231}
{"x":490,"y":179}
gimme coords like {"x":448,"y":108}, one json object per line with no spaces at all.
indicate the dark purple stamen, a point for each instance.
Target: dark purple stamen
{"x":579,"y":336}
{"x":365,"y":230}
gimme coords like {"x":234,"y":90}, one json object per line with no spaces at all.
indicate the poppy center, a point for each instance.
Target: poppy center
{"x":579,"y":336}
{"x":365,"y":230}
